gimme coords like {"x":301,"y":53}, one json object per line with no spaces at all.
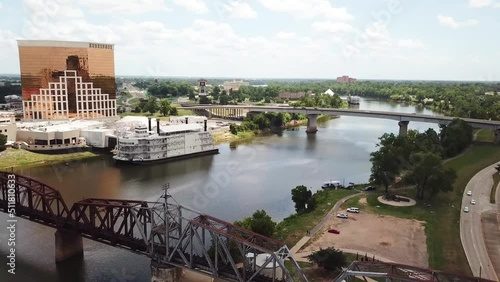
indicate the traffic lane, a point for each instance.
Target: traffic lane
{"x":491,"y":234}
{"x":471,"y":229}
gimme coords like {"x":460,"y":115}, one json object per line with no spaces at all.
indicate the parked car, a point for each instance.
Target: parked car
{"x":334,"y":231}
{"x":472,"y":202}
{"x":466,"y":209}
{"x":370,"y":188}
{"x":353,"y":209}
{"x":342,"y":215}
{"x":469,"y":193}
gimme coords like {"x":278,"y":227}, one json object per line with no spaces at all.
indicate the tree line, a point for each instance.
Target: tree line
{"x":152,"y":105}
{"x":417,"y":159}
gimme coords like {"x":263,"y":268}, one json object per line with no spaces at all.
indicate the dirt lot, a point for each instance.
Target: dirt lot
{"x":399,"y":240}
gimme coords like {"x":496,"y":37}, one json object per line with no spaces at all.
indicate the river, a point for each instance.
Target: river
{"x":230,"y":185}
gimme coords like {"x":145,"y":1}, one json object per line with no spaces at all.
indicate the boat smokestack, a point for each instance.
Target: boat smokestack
{"x":205,"y":125}
{"x":149,"y":124}
{"x":186,"y":120}
{"x":158,"y":126}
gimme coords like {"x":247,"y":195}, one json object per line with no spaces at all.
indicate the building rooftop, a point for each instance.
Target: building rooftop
{"x":56,"y":43}
{"x":58,"y":126}
{"x":180,"y":127}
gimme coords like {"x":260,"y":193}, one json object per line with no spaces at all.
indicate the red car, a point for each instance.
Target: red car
{"x":334,"y":231}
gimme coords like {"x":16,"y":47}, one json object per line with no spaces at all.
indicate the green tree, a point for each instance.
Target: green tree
{"x":204,"y":100}
{"x":455,"y":137}
{"x":173,"y":111}
{"x":260,"y":223}
{"x":3,"y":141}
{"x":151,"y":106}
{"x":330,"y":259}
{"x":386,"y":162}
{"x":224,"y":99}
{"x":301,"y":196}
{"x":165,"y":107}
{"x":429,"y":175}
{"x":216,"y":92}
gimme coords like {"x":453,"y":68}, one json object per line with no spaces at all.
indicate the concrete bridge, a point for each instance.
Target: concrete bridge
{"x":403,"y":119}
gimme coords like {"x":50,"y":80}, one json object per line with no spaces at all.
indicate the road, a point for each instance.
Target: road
{"x":471,"y":228}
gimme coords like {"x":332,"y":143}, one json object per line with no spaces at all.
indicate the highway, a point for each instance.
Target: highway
{"x":471,"y":229}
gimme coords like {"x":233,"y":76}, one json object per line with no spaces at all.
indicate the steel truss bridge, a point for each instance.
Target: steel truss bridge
{"x":168,"y":233}
{"x":398,"y":272}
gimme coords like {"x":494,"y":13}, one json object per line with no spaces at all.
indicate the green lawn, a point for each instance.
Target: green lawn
{"x":19,"y":157}
{"x":294,"y":227}
{"x":442,"y":226}
{"x":484,"y":135}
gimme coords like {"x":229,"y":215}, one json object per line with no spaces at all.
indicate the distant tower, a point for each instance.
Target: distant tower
{"x":202,"y":87}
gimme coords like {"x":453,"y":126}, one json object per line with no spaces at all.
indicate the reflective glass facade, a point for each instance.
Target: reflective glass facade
{"x":43,"y":63}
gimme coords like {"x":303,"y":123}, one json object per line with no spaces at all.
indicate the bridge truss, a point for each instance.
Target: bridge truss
{"x":398,"y":272}
{"x":168,"y":233}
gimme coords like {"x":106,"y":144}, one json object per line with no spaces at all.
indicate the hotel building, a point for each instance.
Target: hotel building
{"x":62,"y":80}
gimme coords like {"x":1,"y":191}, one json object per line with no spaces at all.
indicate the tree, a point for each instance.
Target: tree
{"x":164,"y":107}
{"x":151,"y":106}
{"x":204,"y":100}
{"x":216,"y":92}
{"x":260,"y":223}
{"x":330,"y":259}
{"x":224,"y":99}
{"x":301,"y":196}
{"x":3,"y":141}
{"x":173,"y":111}
{"x":455,"y":137}
{"x":428,"y":174}
{"x":386,"y":162}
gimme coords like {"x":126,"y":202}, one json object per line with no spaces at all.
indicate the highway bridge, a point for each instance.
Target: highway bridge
{"x":239,"y":111}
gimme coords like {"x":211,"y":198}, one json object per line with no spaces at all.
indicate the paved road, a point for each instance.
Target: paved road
{"x":471,"y":229}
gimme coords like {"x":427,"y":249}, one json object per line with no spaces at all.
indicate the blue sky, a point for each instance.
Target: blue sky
{"x":367,"y":39}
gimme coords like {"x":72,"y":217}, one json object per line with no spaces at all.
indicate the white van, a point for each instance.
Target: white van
{"x":353,"y":209}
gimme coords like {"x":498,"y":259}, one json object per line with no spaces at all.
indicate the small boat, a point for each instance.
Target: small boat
{"x":331,"y":185}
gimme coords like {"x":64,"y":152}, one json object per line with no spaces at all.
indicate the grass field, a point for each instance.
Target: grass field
{"x":19,"y":157}
{"x":484,"y":135}
{"x":442,"y":226}
{"x":294,"y":227}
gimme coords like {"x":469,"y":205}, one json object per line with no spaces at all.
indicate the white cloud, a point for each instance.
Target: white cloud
{"x":124,"y":6}
{"x":1,"y":5}
{"x":286,"y":35}
{"x":410,"y":43}
{"x":240,"y":10}
{"x":333,"y":27}
{"x":40,"y":11}
{"x":484,"y":3}
{"x":309,"y":9}
{"x":194,"y":6}
{"x":452,"y":23}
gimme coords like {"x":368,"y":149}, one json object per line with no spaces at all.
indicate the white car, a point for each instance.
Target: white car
{"x":473,"y":202}
{"x":342,"y":215}
{"x":354,"y":210}
{"x":466,"y":209}
{"x":469,"y":193}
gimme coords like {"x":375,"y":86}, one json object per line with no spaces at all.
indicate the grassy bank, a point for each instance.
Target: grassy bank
{"x":20,"y":158}
{"x":227,"y":137}
{"x":442,"y":226}
{"x":484,"y":135}
{"x":294,"y":227}
{"x":496,"y":181}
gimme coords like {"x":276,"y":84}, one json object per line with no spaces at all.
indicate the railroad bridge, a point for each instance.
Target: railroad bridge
{"x":173,"y":236}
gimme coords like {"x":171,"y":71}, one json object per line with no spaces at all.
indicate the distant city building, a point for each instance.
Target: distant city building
{"x":15,"y":102}
{"x":346,"y":79}
{"x":293,"y":95}
{"x":234,"y":85}
{"x":62,"y":80}
{"x":8,"y":126}
{"x":202,"y":87}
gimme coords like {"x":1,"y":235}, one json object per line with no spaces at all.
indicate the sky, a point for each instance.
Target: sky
{"x":366,"y":39}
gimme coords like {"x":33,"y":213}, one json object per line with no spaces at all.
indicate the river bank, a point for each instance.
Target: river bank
{"x":12,"y":158}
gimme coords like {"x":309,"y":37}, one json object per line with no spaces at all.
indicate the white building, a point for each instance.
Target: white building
{"x":234,"y":85}
{"x":8,"y":126}
{"x":329,"y":92}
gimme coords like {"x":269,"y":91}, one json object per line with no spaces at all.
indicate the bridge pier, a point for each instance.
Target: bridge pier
{"x":164,"y":272}
{"x":312,"y":126}
{"x":68,"y":245}
{"x":496,"y":138}
{"x":403,"y":128}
